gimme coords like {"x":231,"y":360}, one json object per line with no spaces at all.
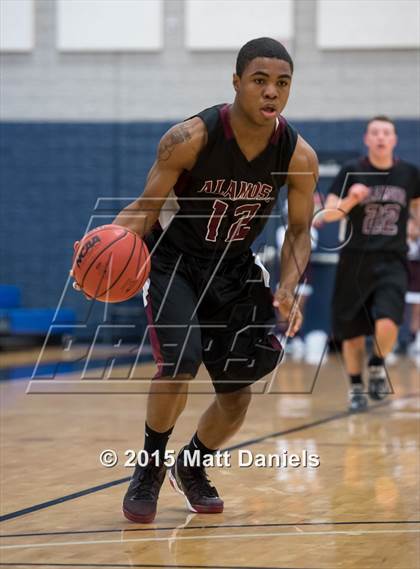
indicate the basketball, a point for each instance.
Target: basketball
{"x":111,"y":263}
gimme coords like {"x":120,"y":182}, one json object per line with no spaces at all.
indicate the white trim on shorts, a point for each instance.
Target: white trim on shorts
{"x":266,"y":274}
{"x":412,"y":297}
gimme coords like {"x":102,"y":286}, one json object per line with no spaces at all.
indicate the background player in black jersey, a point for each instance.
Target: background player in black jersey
{"x":376,"y":194}
{"x":207,"y":197}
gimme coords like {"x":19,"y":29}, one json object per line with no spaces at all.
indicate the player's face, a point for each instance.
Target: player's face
{"x":263,"y":89}
{"x":381,"y":139}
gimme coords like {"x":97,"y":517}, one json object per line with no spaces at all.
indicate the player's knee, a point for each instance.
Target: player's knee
{"x":185,"y":373}
{"x":185,"y":376}
{"x":235,"y":404}
{"x":386,"y":325}
{"x":185,"y":369}
{"x":355,"y":343}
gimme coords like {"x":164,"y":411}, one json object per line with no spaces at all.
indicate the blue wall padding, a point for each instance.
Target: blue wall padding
{"x":52,"y":174}
{"x":10,"y":296}
{"x":37,"y":320}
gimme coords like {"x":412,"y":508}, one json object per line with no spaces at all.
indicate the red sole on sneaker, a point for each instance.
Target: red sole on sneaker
{"x":208,"y":509}
{"x":197,"y":509}
{"x":139,"y":519}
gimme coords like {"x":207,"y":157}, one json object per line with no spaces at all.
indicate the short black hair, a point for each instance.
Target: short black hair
{"x":383,"y":118}
{"x":261,"y":47}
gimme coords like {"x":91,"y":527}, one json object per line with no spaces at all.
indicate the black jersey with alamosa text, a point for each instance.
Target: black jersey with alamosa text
{"x":379,"y":222}
{"x":224,"y":201}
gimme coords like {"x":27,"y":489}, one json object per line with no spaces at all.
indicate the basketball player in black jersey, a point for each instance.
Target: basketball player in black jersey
{"x":207,"y":197}
{"x":377,"y":194}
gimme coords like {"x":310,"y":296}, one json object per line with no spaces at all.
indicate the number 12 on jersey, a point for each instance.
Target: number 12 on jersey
{"x":239,"y":228}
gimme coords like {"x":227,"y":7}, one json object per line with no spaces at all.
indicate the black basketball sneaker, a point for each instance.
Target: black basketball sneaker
{"x":377,"y":382}
{"x":357,"y":399}
{"x":140,"y":501}
{"x":193,"y":483}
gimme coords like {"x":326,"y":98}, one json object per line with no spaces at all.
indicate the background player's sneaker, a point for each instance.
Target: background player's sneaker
{"x":357,"y":399}
{"x":377,"y":382}
{"x":142,"y":495}
{"x":193,"y":483}
{"x":413,"y":349}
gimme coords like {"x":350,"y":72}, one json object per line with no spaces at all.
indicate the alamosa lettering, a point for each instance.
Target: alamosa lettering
{"x":234,"y":190}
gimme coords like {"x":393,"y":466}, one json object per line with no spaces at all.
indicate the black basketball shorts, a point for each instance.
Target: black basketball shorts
{"x":216,"y":313}
{"x":368,"y":286}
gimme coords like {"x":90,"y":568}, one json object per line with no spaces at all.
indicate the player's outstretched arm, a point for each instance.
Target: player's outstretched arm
{"x":336,"y":208}
{"x":413,"y":227}
{"x":301,"y":180}
{"x":177,"y":151}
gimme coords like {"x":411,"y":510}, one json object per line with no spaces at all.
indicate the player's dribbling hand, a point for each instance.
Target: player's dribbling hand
{"x":289,"y":309}
{"x":358,"y":192}
{"x":74,"y":283}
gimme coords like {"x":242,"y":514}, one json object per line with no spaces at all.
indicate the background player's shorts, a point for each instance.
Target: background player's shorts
{"x":368,"y":286}
{"x":218,"y":313}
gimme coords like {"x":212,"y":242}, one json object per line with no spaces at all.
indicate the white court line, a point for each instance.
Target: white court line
{"x":207,"y":537}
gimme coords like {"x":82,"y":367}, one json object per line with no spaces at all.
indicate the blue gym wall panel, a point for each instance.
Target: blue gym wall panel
{"x":51,"y":175}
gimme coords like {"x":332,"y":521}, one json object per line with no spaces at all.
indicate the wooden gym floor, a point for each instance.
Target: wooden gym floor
{"x":358,"y":509}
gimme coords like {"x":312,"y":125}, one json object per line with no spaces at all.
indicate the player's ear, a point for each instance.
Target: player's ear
{"x":235,"y":82}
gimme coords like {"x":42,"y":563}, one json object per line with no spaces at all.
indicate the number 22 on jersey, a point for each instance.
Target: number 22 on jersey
{"x":381,"y":219}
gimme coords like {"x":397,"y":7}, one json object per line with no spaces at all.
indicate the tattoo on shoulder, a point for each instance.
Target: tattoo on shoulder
{"x":172,"y":138}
